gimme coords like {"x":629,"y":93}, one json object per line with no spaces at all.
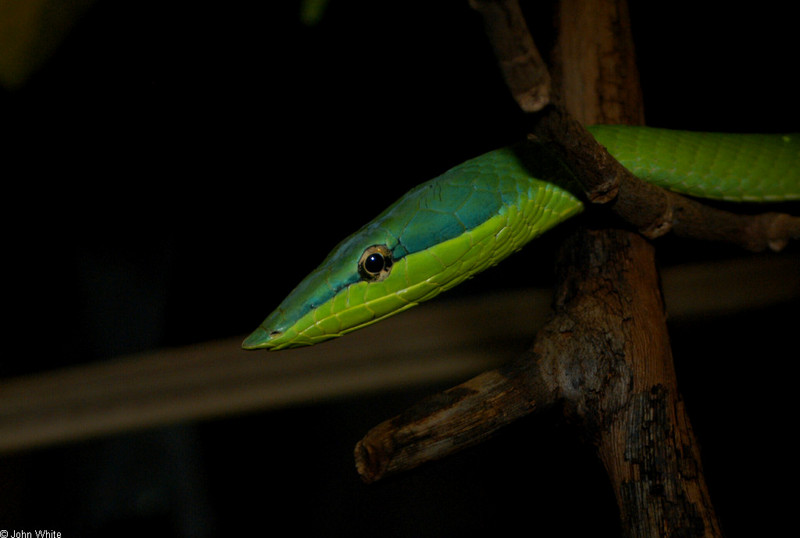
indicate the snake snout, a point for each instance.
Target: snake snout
{"x":260,"y":339}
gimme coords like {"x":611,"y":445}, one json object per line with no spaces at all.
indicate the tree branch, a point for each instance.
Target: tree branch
{"x":523,"y":68}
{"x":605,"y":355}
{"x":651,"y":210}
{"x":456,"y":419}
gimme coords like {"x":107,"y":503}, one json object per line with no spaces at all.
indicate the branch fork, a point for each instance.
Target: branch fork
{"x":604,"y":357}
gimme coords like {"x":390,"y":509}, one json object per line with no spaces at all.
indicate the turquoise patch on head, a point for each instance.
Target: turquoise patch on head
{"x":428,"y":227}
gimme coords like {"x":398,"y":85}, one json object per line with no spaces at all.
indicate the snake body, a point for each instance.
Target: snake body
{"x":476,"y":214}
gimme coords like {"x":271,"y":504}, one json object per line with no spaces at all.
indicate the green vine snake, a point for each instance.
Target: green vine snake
{"x":473,"y":216}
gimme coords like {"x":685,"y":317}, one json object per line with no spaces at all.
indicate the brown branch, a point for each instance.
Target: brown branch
{"x":616,"y":376}
{"x":605,"y":355}
{"x":523,"y":68}
{"x":456,"y":419}
{"x":651,"y":210}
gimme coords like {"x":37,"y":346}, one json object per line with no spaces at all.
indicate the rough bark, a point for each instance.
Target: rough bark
{"x":605,"y":355}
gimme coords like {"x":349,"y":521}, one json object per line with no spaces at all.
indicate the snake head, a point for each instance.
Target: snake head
{"x":355,"y":286}
{"x":439,"y":234}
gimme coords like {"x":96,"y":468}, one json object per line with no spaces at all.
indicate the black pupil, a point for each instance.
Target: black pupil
{"x":374,"y":263}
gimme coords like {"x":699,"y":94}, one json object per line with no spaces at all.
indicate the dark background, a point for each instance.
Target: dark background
{"x":176,"y":167}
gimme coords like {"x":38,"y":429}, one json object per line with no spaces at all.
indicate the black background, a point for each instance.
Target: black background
{"x":176,"y":167}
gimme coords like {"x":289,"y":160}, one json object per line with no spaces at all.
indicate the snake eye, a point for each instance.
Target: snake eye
{"x":375,"y":263}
